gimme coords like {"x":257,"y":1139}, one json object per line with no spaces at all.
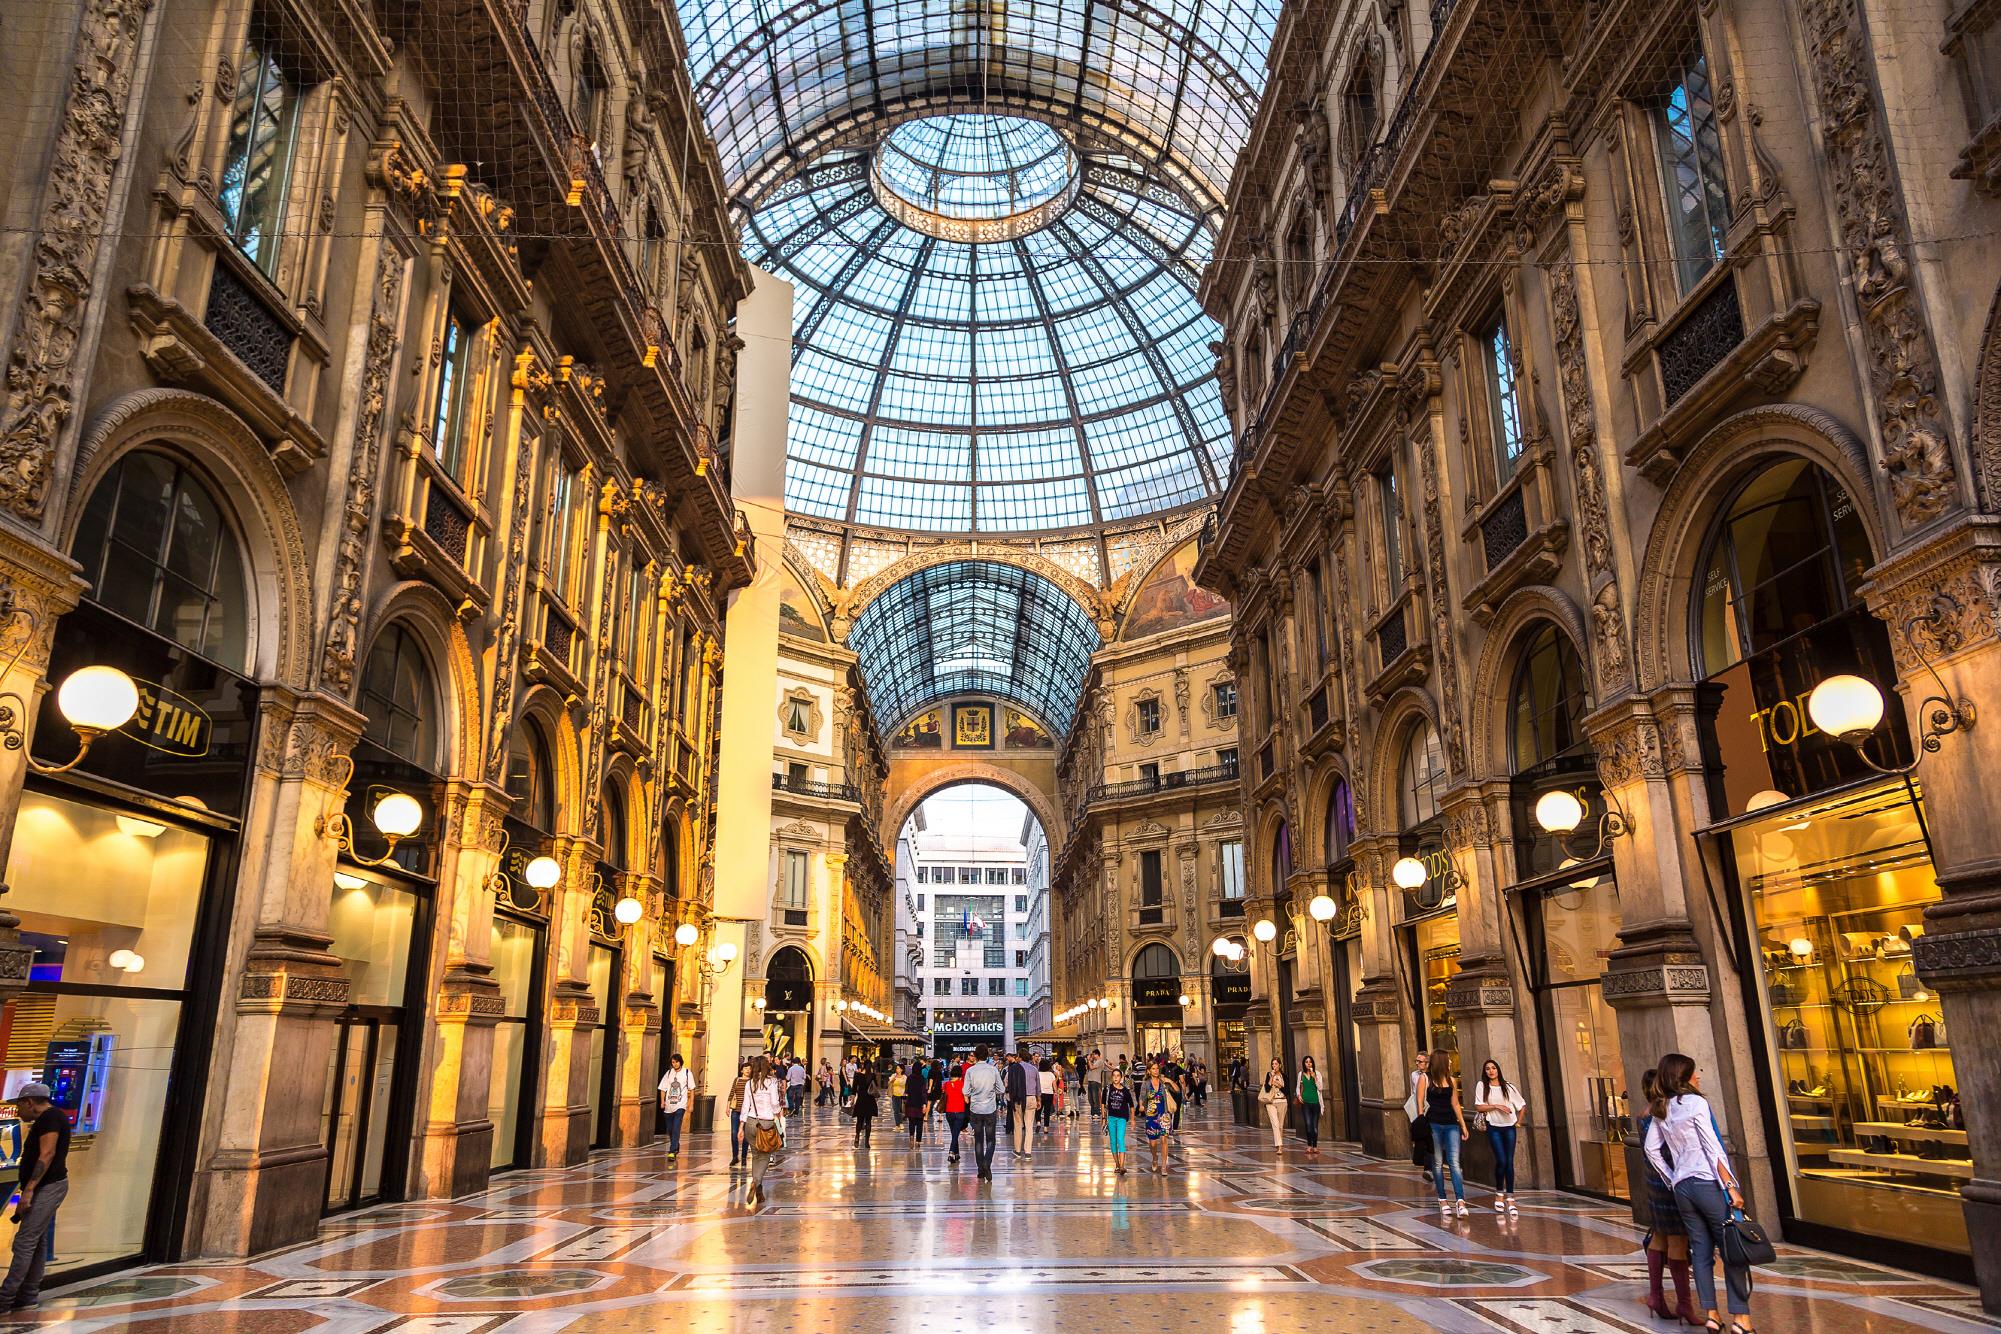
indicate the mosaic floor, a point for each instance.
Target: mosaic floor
{"x":1238,"y":1239}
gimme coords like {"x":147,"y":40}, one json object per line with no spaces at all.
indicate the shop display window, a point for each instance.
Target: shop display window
{"x":1435,"y":956}
{"x":1862,"y":1060}
{"x":516,"y":945}
{"x":372,"y":924}
{"x":108,"y":901}
{"x":599,"y":976}
{"x":1576,"y":932}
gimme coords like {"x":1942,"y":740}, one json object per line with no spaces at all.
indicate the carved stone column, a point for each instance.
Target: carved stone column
{"x":1382,"y":1008}
{"x":638,"y":1029}
{"x":264,"y":1177}
{"x":566,"y":1115}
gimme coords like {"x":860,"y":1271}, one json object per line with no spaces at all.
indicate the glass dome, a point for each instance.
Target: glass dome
{"x":973,"y":177}
{"x":1054,"y":377}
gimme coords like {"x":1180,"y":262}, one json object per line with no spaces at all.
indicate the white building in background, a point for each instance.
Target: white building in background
{"x":909,"y":983}
{"x":1041,"y":1009}
{"x":979,"y":923}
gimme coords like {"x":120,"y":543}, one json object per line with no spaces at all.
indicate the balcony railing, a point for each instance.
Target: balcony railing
{"x":806,"y":787}
{"x":1140,"y":787}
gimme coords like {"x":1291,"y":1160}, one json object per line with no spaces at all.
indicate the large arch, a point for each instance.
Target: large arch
{"x":1101,"y":609}
{"x":1736,"y":447}
{"x":545,"y":704}
{"x":900,"y":804}
{"x":430,"y":616}
{"x":222,"y":448}
{"x":1524,"y":610}
{"x":1403,"y":710}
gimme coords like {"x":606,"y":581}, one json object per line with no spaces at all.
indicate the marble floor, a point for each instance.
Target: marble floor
{"x":1237,"y":1239}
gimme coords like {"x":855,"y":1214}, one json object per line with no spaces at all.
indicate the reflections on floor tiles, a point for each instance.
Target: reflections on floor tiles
{"x":1236,"y":1237}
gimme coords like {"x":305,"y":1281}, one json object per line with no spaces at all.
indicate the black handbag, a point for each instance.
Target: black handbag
{"x":1794,"y":1036}
{"x":1745,"y":1243}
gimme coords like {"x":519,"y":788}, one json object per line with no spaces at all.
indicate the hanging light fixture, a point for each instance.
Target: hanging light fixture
{"x":1850,"y":708}
{"x":1408,"y":873}
{"x":628,"y":910}
{"x":1322,"y":908}
{"x":395,"y":815}
{"x":1265,"y":930}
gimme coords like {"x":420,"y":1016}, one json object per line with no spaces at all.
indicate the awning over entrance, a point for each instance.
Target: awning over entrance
{"x":1061,"y":1033}
{"x":868,"y":1030}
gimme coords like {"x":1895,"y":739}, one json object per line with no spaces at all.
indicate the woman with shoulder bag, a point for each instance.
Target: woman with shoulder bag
{"x":1667,"y":1238}
{"x":1498,"y":1106}
{"x":1683,"y":1146}
{"x":739,"y":1155}
{"x":763,"y":1122}
{"x":1308,"y":1092}
{"x":862,"y":1102}
{"x":1413,"y":1107}
{"x":1273,"y":1096}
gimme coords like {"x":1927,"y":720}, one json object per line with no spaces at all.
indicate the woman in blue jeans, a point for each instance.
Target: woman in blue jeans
{"x":1683,"y":1146}
{"x":1500,"y":1104}
{"x":1448,"y":1127}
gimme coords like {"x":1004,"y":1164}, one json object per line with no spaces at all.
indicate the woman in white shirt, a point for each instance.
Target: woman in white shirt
{"x":763,"y":1109}
{"x":677,"y":1086}
{"x":1683,"y":1146}
{"x":1273,"y":1095}
{"x":1501,"y":1104}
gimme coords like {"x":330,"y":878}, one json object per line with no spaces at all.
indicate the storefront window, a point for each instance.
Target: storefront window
{"x":1576,"y":930}
{"x":517,"y":946}
{"x":600,"y":975}
{"x":1874,"y":1132}
{"x":93,"y":888}
{"x":373,"y":925}
{"x":1435,"y":961}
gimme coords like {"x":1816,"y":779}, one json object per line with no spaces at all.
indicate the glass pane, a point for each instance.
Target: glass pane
{"x":89,"y":882}
{"x":515,"y":945}
{"x":347,"y":1074}
{"x":1437,"y":940}
{"x":1691,"y":157}
{"x":503,"y":1096}
{"x":1592,"y":1085}
{"x":382,"y":1078}
{"x":108,"y":1060}
{"x":372,"y":924}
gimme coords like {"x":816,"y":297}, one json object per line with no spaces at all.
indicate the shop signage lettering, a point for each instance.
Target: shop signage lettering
{"x":1156,"y":990}
{"x":965,"y":1028}
{"x":1231,"y":989}
{"x":169,"y":722}
{"x":1786,"y":723}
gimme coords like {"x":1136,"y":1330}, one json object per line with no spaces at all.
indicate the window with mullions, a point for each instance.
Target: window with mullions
{"x":1149,"y":716}
{"x":792,"y":884}
{"x":1504,"y":410}
{"x":1225,"y":694}
{"x":449,"y":411}
{"x":263,"y":139}
{"x":560,"y":561}
{"x":1548,"y":703}
{"x":398,"y":699}
{"x":1390,"y":517}
{"x":1693,"y":188}
{"x":1231,"y":865}
{"x":1788,"y":554}
{"x":638,"y":628}
{"x":1420,"y":776}
{"x":156,"y":549}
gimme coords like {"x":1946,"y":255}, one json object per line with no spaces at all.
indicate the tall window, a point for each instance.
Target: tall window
{"x":529,"y":771}
{"x":1340,"y":829}
{"x":1420,"y":775}
{"x":1390,"y":511}
{"x":1316,"y":614}
{"x":792,"y":885}
{"x":1149,"y":716}
{"x":448,"y":416}
{"x":1504,"y":408}
{"x":638,"y":623}
{"x":263,"y":136}
{"x":1696,"y":197}
{"x":1547,"y":710}
{"x":561,"y":558}
{"x":1225,"y":693}
{"x":1233,"y":869}
{"x":156,"y":550}
{"x":1149,"y":879}
{"x":397,"y":698}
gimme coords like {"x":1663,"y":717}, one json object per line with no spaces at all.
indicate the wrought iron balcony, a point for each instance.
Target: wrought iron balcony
{"x":1174,"y":782}
{"x":806,"y":787}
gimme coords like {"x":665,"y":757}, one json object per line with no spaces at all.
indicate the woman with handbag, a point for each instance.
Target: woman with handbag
{"x":861,"y":1103}
{"x":1497,"y":1106}
{"x":1667,"y":1237}
{"x":1413,"y":1107}
{"x":1683,"y":1146}
{"x":1273,"y":1096}
{"x":763,"y":1122}
{"x":1308,"y":1092}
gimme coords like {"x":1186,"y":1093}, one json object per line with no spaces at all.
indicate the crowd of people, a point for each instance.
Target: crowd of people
{"x":1694,"y":1200}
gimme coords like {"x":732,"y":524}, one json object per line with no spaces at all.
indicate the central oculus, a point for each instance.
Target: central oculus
{"x":974,"y":178}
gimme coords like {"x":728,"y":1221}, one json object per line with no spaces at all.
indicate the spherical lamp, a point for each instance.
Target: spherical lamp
{"x":97,"y":699}
{"x":1408,"y":872}
{"x":542,"y":873}
{"x":628,"y":910}
{"x":1848,"y":707}
{"x":397,"y":815}
{"x":1220,"y":947}
{"x":119,"y":959}
{"x":1186,"y":1000}
{"x":1322,"y":908}
{"x":686,"y":934}
{"x":1769,"y":797}
{"x":136,"y":963}
{"x":1558,"y":811}
{"x":726,"y":952}
{"x":1265,"y":930}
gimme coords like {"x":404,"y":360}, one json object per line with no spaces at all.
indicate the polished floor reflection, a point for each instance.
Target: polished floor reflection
{"x":1237,"y":1239}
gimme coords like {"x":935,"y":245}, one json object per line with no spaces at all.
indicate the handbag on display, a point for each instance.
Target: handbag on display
{"x":1794,"y":1036}
{"x":1924,"y":1033}
{"x":1908,"y":985}
{"x":1784,"y":994}
{"x":1745,"y":1243}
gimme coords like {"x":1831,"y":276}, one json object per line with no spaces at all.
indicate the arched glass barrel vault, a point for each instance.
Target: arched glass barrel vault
{"x":995,"y":219}
{"x":974,"y":627}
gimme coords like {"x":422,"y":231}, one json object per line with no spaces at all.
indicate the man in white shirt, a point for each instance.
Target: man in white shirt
{"x":677,"y":1087}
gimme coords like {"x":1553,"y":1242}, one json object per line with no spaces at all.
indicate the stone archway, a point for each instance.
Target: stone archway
{"x":901,"y":802}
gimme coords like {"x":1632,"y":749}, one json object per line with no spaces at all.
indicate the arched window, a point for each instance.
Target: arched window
{"x":398,"y":698}
{"x":1340,"y":826}
{"x":1546,"y":711}
{"x":1156,"y":960}
{"x":1420,"y":774}
{"x":1281,"y":858}
{"x":788,"y":982}
{"x":616,"y":848}
{"x":156,"y":549}
{"x":1788,"y":553}
{"x":531,"y":776}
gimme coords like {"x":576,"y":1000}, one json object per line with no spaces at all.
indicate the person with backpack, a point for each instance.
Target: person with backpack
{"x":983,"y":1099}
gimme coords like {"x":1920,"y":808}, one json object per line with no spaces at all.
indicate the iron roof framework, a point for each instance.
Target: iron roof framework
{"x":974,"y":627}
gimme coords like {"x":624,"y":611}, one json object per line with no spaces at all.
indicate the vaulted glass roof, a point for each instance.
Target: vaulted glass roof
{"x":1052,"y":380}
{"x":974,"y":627}
{"x":1177,"y":81}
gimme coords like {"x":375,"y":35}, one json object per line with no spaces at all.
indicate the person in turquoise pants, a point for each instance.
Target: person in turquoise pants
{"x":1118,"y":1115}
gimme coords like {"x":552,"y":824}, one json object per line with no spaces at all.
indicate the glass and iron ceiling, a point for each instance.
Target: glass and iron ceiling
{"x":995,"y":214}
{"x":974,"y":627}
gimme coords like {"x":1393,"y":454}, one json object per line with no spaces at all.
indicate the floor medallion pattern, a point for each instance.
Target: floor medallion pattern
{"x":896,"y":1238}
